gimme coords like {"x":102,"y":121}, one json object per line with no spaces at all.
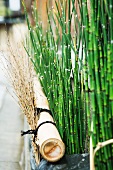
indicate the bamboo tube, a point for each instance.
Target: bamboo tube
{"x":50,"y":143}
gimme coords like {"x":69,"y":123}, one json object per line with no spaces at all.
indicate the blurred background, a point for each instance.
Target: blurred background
{"x":11,"y":11}
{"x":13,"y":148}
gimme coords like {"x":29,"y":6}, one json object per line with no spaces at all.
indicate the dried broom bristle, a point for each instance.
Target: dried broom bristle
{"x":21,"y":73}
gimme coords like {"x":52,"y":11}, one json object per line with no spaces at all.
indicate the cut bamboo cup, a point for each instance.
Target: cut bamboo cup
{"x":51,"y":146}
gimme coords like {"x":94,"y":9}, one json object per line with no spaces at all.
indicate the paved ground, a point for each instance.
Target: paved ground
{"x":12,"y":145}
{"x":11,"y":124}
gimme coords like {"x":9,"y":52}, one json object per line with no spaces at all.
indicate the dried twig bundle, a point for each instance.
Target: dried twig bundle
{"x":20,"y":72}
{"x":30,"y":95}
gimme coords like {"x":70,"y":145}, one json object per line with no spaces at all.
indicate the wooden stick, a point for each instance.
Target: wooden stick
{"x":102,"y":144}
{"x":92,"y":164}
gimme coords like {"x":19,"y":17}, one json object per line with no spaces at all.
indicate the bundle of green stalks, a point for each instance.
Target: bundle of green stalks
{"x":52,"y":57}
{"x":80,"y":93}
{"x":97,"y":41}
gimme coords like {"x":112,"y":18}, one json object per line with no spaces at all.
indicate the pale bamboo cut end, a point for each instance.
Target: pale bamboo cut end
{"x":52,"y":150}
